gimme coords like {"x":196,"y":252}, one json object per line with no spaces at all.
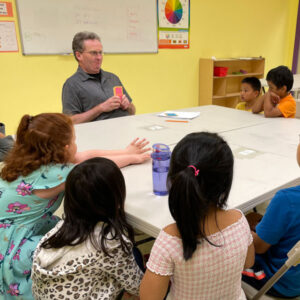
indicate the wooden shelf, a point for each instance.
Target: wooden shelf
{"x":240,"y":75}
{"x":227,"y":95}
{"x":238,"y":59}
{"x":225,"y":90}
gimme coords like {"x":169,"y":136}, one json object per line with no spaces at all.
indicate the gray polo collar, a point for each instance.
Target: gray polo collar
{"x":83,"y":76}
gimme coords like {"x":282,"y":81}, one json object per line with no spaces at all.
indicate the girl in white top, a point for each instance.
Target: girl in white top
{"x":204,"y":253}
{"x":89,"y":254}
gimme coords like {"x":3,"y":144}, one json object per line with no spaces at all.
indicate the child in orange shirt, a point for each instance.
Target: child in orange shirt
{"x":278,"y":101}
{"x":250,"y":90}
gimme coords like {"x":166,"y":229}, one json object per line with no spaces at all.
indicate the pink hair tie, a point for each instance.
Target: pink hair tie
{"x":195,"y":169}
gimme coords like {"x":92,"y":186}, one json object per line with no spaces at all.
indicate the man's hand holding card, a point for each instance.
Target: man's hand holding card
{"x":118,"y":91}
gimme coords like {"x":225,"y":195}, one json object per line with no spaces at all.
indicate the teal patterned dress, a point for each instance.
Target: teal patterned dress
{"x":24,"y":220}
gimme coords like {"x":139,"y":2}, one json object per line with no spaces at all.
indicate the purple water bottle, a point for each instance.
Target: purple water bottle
{"x":160,"y":167}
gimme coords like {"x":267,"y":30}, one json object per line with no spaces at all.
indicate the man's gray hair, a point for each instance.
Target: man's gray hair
{"x":80,"y":37}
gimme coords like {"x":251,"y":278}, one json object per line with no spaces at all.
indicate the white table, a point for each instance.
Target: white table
{"x":264,"y":151}
{"x":256,"y":179}
{"x":117,"y":133}
{"x":212,"y":117}
{"x":279,"y":136}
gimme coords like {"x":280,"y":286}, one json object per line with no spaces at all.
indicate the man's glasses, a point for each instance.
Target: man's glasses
{"x":93,"y":53}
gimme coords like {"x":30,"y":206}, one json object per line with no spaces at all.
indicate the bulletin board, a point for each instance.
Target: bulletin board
{"x":124,"y":26}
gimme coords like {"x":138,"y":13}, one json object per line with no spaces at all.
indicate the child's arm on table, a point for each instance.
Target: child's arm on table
{"x":120,"y":160}
{"x":270,"y":105}
{"x":137,"y":146}
{"x":258,"y":105}
{"x":134,"y":153}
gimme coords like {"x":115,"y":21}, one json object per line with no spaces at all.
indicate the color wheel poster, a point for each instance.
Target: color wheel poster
{"x":173,"y":23}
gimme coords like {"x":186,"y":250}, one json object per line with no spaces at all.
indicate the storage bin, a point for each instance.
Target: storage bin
{"x":220,"y":71}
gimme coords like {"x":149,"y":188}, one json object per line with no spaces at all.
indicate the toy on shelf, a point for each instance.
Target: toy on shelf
{"x":241,"y":71}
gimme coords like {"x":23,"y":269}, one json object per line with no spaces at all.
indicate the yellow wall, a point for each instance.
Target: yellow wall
{"x":167,"y":80}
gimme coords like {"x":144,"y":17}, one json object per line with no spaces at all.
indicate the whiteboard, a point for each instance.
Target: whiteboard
{"x":124,"y":26}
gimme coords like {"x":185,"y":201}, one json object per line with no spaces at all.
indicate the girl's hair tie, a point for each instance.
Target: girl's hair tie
{"x":195,"y":169}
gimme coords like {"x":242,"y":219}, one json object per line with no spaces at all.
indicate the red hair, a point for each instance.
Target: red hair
{"x":41,"y":140}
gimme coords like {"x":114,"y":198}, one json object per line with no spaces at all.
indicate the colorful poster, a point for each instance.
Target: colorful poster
{"x":6,"y":9}
{"x":8,"y":37}
{"x":173,"y":23}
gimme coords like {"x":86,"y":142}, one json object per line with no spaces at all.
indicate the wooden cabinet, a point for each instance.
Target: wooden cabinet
{"x":225,"y":90}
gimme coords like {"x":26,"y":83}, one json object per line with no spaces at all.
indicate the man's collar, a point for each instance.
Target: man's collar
{"x":85,"y":76}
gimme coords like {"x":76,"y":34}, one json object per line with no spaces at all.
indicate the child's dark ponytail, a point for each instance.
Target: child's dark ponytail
{"x":200,"y":179}
{"x":187,"y":207}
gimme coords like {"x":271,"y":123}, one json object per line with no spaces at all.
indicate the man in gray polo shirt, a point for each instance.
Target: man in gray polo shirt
{"x":88,"y":95}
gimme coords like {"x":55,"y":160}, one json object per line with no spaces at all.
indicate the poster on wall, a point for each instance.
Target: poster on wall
{"x":173,"y":24}
{"x":8,"y":37}
{"x":6,"y":9}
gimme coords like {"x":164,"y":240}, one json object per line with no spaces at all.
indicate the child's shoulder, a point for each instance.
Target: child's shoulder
{"x":241,"y":106}
{"x":288,"y":97}
{"x":226,"y":218}
{"x":172,"y":230}
{"x":290,"y":194}
{"x":233,"y":214}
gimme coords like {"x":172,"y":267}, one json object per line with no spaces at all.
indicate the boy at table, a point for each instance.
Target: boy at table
{"x":273,"y":237}
{"x":278,"y":101}
{"x":250,"y":91}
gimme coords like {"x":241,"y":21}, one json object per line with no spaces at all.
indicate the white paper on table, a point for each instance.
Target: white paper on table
{"x":189,"y":115}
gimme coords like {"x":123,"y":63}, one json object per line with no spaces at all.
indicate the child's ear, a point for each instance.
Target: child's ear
{"x":257,"y":93}
{"x":284,"y":88}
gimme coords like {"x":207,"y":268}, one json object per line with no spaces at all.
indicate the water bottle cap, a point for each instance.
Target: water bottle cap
{"x":160,"y":151}
{"x":160,"y":148}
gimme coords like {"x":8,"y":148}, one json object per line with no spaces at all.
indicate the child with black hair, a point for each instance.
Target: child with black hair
{"x":88,"y":255}
{"x":205,"y":251}
{"x":250,"y":91}
{"x":278,"y":101}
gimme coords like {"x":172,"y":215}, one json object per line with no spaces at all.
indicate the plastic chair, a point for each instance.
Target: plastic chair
{"x":293,"y":260}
